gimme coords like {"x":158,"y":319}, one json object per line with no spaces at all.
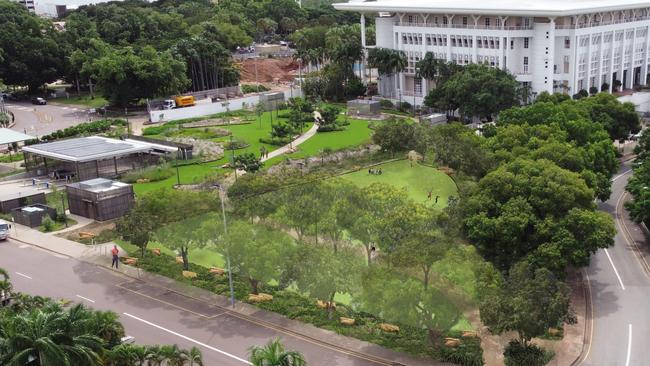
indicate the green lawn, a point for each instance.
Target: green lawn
{"x":83,"y":100}
{"x":418,"y":181}
{"x":356,"y":134}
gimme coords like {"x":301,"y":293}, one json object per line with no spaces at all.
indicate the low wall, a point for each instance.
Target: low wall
{"x":200,"y":110}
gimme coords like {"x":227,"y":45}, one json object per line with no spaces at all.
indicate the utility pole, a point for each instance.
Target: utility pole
{"x":222,"y":195}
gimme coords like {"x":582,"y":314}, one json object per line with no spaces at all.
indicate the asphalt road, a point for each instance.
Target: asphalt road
{"x":223,"y":338}
{"x":619,"y":291}
{"x":39,"y":120}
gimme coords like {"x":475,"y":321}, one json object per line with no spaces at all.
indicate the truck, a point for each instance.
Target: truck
{"x":179,"y":102}
{"x":4,"y":230}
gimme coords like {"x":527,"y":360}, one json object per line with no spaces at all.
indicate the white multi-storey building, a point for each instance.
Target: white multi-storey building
{"x":549,"y":45}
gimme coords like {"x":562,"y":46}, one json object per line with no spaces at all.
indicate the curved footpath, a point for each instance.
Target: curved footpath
{"x":619,"y":282}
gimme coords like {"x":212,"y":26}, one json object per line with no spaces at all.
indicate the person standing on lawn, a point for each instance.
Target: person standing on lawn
{"x":116,"y":258}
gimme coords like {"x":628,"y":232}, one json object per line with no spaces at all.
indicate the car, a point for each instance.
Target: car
{"x":4,"y":230}
{"x":39,"y":101}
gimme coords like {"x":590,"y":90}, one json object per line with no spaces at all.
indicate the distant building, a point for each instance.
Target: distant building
{"x":29,"y":4}
{"x":560,"y":46}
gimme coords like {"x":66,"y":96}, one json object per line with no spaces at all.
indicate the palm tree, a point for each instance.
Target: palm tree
{"x":126,"y":354}
{"x":388,"y":62}
{"x":192,"y":357}
{"x":273,"y":354}
{"x":43,"y":338}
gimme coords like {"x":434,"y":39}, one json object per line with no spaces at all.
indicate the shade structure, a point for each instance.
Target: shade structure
{"x":8,"y":136}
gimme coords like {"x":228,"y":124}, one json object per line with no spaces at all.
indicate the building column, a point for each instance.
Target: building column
{"x":551,"y":56}
{"x":630,"y":73}
{"x":610,"y":79}
{"x":588,"y":72}
{"x":575,"y":65}
{"x":600,"y":59}
{"x":448,"y":47}
{"x":474,"y":50}
{"x":622,"y":66}
{"x":644,"y":65}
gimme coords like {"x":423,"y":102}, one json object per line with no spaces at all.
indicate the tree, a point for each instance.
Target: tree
{"x":402,"y":299}
{"x":192,"y":233}
{"x":47,"y":337}
{"x":323,"y":273}
{"x":330,"y":115}
{"x":136,"y":226}
{"x":248,"y":162}
{"x":256,"y":252}
{"x":511,"y":205}
{"x":395,"y":135}
{"x":529,"y":301}
{"x":478,"y":90}
{"x":30,"y":54}
{"x":126,"y":75}
{"x":387,"y":61}
{"x":274,"y":354}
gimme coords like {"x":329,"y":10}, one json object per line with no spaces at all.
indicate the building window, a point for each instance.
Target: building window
{"x":567,"y":42}
{"x":512,"y":44}
{"x":445,"y":21}
{"x":435,"y":20}
{"x":527,"y":22}
{"x":525,"y":64}
{"x":526,"y":42}
{"x":487,"y":22}
{"x":464,"y":20}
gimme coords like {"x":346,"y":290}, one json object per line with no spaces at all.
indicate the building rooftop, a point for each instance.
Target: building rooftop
{"x":496,"y":7}
{"x":91,"y":148}
{"x":8,"y":136}
{"x":98,"y":185}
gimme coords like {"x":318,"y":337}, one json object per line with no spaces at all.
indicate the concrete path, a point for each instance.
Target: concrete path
{"x":158,"y":310}
{"x":286,"y":148}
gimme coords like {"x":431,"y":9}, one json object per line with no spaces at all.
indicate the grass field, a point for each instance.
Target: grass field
{"x":418,"y":181}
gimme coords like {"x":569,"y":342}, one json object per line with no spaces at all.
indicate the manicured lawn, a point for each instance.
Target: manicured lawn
{"x":356,"y":134}
{"x":83,"y":100}
{"x":418,"y":181}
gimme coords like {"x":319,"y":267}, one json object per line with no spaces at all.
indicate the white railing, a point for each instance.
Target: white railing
{"x":410,"y":93}
{"x":598,"y":24}
{"x":462,"y":26}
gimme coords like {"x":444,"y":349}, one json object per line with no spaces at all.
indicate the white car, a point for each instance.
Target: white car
{"x":4,"y":230}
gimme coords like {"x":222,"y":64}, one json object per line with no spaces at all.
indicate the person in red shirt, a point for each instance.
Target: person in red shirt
{"x":116,"y":258}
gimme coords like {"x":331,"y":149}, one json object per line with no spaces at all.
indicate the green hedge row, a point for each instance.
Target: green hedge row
{"x":88,"y":128}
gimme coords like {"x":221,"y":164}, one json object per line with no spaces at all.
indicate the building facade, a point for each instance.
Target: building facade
{"x":550,"y":45}
{"x":29,"y":4}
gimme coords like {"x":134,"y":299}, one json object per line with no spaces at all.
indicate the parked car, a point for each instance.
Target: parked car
{"x":39,"y":101}
{"x":4,"y":230}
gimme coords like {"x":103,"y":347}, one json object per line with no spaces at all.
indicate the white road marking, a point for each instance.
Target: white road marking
{"x":24,"y":275}
{"x":85,"y":298}
{"x":23,"y":246}
{"x":188,"y":339}
{"x":629,"y":344}
{"x":621,"y":175}
{"x":615,"y":270}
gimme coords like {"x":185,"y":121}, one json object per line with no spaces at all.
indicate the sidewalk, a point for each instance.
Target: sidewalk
{"x":100,"y":255}
{"x":284,"y":149}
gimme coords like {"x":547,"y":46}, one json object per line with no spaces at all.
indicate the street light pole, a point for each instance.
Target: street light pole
{"x":225,"y":232}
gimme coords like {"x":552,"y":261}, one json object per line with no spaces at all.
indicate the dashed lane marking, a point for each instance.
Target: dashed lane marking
{"x":24,"y":275}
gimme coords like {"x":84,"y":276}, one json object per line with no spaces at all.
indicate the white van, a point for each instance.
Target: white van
{"x":4,"y":230}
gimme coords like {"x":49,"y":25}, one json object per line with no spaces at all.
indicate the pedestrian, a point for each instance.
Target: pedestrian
{"x":116,"y":258}
{"x":379,"y":171}
{"x":369,"y":171}
{"x":437,"y":198}
{"x":429,"y":195}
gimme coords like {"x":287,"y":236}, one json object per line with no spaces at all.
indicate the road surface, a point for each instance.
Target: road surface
{"x":154,"y":315}
{"x":39,"y":120}
{"x":620,"y":291}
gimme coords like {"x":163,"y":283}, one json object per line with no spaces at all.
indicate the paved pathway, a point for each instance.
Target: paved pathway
{"x":286,"y":148}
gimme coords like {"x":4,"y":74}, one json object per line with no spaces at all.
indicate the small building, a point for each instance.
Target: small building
{"x":91,"y":157}
{"x":364,"y":107}
{"x":33,"y":215}
{"x":12,"y":200}
{"x":435,"y":119}
{"x":271,"y":101}
{"x":100,"y":199}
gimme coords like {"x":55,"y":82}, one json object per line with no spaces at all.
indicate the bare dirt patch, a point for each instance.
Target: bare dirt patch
{"x":269,"y":70}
